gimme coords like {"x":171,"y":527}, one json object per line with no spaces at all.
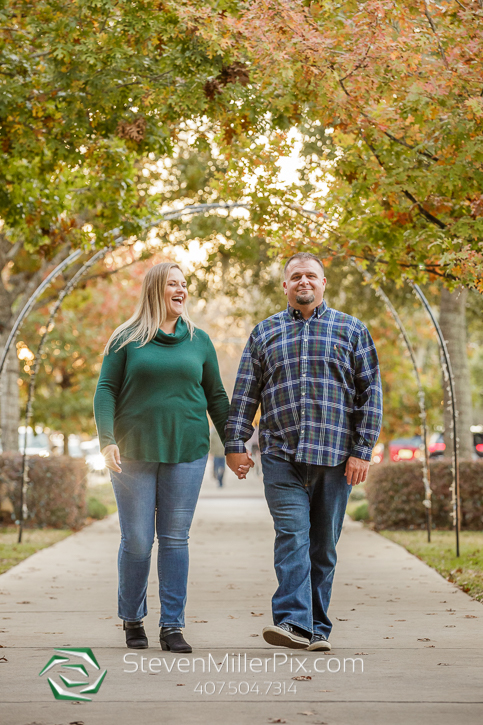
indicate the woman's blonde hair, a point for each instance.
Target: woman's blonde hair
{"x":150,"y":312}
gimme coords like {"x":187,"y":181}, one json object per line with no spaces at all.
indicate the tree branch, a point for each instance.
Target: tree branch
{"x":433,"y":28}
{"x":400,"y":141}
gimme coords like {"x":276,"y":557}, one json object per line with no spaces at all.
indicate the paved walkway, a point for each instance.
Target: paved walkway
{"x":417,"y":641}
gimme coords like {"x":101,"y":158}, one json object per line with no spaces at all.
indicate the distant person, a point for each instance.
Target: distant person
{"x":315,"y":372}
{"x":217,"y":450}
{"x":159,"y":378}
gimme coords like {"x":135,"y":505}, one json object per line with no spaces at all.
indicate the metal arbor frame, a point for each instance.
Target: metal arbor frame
{"x":197,"y":209}
{"x":421,"y":397}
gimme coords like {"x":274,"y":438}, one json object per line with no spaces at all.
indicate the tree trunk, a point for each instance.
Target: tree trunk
{"x":453,"y":325}
{"x":10,"y":411}
{"x":66,"y":444}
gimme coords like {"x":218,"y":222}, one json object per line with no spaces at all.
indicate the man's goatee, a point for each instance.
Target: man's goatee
{"x":305,"y":300}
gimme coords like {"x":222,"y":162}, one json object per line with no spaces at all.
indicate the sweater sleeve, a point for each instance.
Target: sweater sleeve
{"x":108,"y":387}
{"x":217,"y":399}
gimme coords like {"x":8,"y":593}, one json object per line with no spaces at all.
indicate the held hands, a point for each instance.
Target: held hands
{"x":240,"y":463}
{"x":112,"y":457}
{"x":356,"y":470}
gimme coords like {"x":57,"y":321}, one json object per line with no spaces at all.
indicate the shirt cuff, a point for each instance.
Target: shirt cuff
{"x":106,"y":440}
{"x":234,"y":447}
{"x":362,"y":452}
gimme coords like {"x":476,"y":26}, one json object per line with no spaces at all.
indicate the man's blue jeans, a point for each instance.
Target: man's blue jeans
{"x":157,"y":497}
{"x":307,"y":504}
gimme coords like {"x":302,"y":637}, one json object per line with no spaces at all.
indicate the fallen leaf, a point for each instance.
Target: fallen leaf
{"x":278,"y":719}
{"x":361,"y":653}
{"x":451,"y":610}
{"x":200,"y":621}
{"x":105,"y":617}
{"x":254,"y":635}
{"x":388,"y":637}
{"x":449,"y":626}
{"x":429,"y":645}
{"x":307,"y":712}
{"x":24,"y":602}
{"x":3,"y":659}
{"x":445,"y":664}
{"x":254,"y":614}
{"x":471,"y":616}
{"x":77,"y":722}
{"x":302,"y":677}
{"x":342,"y":620}
{"x":424,"y":639}
{"x":399,"y":620}
{"x":180,"y":684}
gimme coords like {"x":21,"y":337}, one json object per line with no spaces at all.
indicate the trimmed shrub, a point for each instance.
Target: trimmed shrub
{"x":395,"y":493}
{"x":362,"y":512}
{"x":96,"y":509}
{"x":56,"y":493}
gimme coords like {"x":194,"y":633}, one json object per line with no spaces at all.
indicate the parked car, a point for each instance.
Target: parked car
{"x":437,"y":445}
{"x":406,"y":449}
{"x":37,"y":441}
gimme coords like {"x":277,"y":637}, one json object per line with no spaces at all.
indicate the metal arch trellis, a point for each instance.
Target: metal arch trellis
{"x":449,"y":379}
{"x":197,"y":209}
{"x":166,"y":216}
{"x":421,"y":397}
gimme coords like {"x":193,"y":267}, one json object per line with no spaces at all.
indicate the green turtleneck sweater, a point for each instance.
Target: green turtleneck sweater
{"x":151,"y":401}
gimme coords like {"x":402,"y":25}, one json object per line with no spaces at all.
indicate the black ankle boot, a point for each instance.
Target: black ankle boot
{"x":172,"y":640}
{"x":135,"y":635}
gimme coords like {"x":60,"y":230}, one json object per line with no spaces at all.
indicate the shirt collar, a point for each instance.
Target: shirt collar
{"x":318,"y":312}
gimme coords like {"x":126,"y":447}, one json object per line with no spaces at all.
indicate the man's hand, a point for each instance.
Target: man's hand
{"x":240,"y":463}
{"x":356,"y":470}
{"x":112,"y":457}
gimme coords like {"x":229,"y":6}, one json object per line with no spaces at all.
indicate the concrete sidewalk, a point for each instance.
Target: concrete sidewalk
{"x":416,"y":640}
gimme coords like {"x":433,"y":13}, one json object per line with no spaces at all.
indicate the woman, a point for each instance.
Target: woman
{"x":159,"y":377}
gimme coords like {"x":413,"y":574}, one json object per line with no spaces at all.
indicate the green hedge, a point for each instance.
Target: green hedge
{"x":56,"y":493}
{"x":395,"y":492}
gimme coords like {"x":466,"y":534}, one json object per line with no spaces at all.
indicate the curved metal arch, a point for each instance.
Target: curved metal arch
{"x":196,"y":209}
{"x":167,"y":216}
{"x":36,"y":364}
{"x":449,"y":378}
{"x":421,"y":396}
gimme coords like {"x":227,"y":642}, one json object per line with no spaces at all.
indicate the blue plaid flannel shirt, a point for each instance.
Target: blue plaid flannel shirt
{"x":319,"y":386}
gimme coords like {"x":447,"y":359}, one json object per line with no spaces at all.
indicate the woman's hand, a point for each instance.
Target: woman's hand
{"x":112,"y":457}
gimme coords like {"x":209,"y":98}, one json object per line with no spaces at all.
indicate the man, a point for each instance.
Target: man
{"x":316,"y":374}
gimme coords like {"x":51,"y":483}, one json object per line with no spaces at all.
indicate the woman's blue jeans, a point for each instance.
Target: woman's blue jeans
{"x":161,"y":498}
{"x":307,"y":504}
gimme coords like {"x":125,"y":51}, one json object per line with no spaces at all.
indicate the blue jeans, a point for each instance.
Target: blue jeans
{"x":157,"y":497}
{"x":307,"y":504}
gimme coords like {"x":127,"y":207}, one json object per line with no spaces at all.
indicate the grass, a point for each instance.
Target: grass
{"x":466,"y":571}
{"x":104,"y":493}
{"x":12,"y":553}
{"x":33,"y":540}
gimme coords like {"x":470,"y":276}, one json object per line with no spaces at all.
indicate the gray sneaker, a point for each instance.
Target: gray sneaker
{"x":284,"y":635}
{"x":319,"y":643}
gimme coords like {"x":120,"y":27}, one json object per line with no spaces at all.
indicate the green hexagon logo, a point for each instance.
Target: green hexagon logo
{"x":73,"y":673}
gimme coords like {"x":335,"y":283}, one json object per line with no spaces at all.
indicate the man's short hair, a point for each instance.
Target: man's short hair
{"x":302,"y":256}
